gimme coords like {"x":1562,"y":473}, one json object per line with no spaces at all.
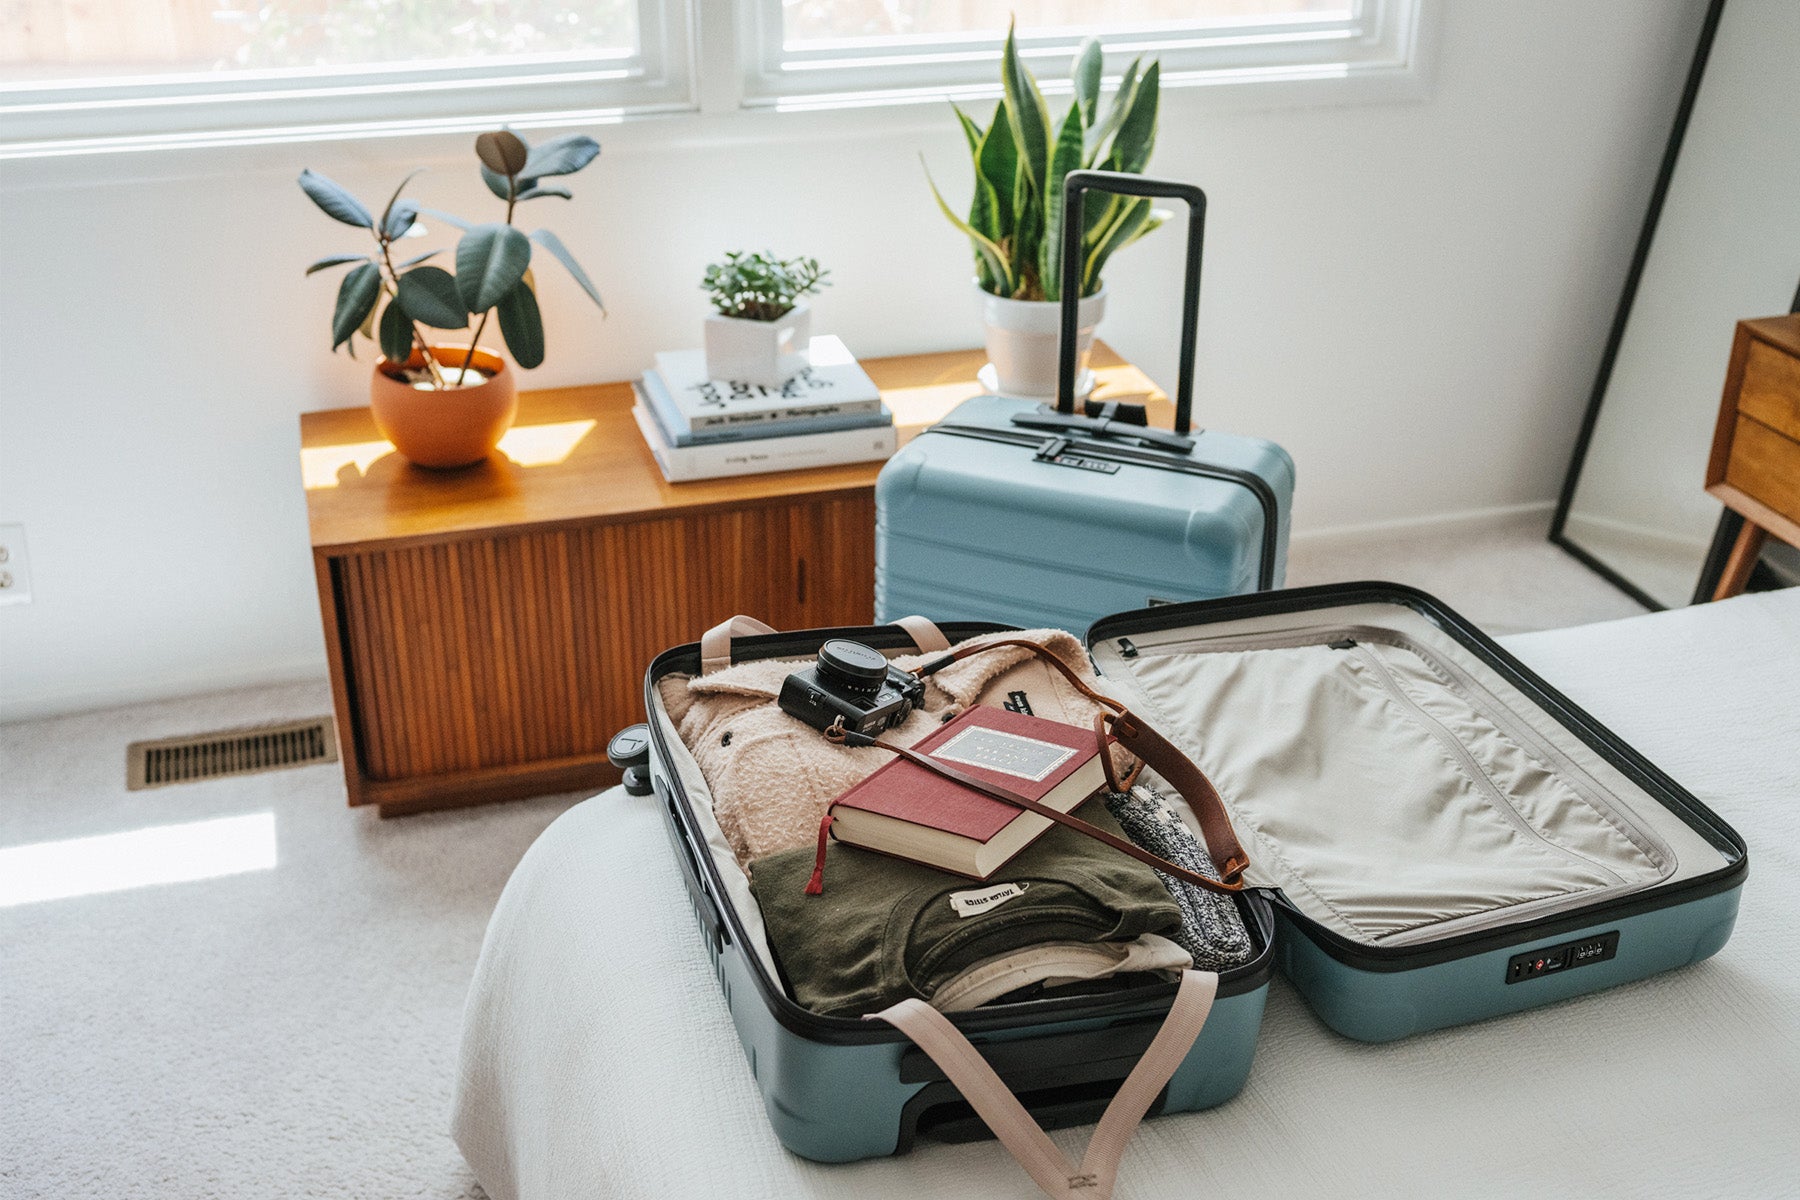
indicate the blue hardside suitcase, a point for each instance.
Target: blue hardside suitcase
{"x":1010,"y":511}
{"x":1386,"y":659}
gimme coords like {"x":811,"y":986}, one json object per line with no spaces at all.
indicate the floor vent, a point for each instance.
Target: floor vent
{"x":229,"y":752}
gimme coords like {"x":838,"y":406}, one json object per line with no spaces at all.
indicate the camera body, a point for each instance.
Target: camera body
{"x":854,"y":684}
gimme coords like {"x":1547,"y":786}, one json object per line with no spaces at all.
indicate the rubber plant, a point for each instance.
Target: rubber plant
{"x":1020,"y":158}
{"x":394,"y":303}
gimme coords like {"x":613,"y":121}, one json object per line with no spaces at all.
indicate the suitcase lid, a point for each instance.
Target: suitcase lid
{"x":1405,"y":787}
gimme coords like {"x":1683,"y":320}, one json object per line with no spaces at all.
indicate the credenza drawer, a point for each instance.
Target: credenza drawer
{"x":1771,"y":389}
{"x":1766,"y":465}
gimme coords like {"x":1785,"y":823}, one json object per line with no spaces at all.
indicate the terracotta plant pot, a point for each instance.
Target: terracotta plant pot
{"x":451,"y":428}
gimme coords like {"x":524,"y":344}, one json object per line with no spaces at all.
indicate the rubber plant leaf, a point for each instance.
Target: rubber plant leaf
{"x":396,"y":333}
{"x":446,"y":218}
{"x":503,"y":186}
{"x":522,"y":326}
{"x":1065,"y":158}
{"x":416,"y":259}
{"x":546,"y":190}
{"x":429,"y":295}
{"x":553,"y":244}
{"x":400,"y":217}
{"x":356,"y":296}
{"x":502,"y":152}
{"x":335,"y":260}
{"x":337,"y":203}
{"x":561,"y":156}
{"x":991,"y":253}
{"x":489,"y":262}
{"x":1027,"y":113}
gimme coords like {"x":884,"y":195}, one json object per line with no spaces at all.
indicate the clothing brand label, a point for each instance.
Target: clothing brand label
{"x":969,"y":904}
{"x":1018,"y":702}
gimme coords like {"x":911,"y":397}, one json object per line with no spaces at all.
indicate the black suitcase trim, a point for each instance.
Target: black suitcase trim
{"x":720,"y":923}
{"x":1270,"y":545}
{"x":1600,"y":739}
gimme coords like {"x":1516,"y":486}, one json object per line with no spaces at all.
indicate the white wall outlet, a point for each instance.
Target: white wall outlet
{"x":15,"y":567}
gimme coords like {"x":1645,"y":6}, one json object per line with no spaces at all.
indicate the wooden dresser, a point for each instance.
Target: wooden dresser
{"x":1755,"y":464}
{"x":488,"y":628}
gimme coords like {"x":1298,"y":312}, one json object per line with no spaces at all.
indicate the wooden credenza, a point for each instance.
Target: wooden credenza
{"x":488,"y":628}
{"x":1755,"y":465}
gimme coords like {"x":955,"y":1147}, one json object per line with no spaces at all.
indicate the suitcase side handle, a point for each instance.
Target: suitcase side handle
{"x":1075,"y":185}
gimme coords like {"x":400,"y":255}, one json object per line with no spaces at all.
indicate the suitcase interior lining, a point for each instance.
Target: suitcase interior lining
{"x":1391,"y":783}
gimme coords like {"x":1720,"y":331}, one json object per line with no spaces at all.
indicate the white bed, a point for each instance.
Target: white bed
{"x":599,"y":1061}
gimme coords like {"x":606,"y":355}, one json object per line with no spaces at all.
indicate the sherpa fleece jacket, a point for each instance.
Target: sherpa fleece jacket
{"x":772,"y":776}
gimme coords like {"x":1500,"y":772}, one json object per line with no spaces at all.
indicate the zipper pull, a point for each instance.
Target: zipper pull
{"x":1126,"y":649}
{"x":1342,"y":644}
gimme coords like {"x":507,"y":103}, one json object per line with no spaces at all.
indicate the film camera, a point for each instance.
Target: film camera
{"x":852,"y":683}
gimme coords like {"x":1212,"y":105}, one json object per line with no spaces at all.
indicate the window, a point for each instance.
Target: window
{"x":82,"y":75}
{"x":805,"y":53}
{"x":116,"y":70}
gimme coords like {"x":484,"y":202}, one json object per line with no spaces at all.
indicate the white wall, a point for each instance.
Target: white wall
{"x":1410,"y":296}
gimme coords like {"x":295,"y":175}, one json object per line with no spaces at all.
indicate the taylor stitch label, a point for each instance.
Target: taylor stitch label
{"x":969,"y":904}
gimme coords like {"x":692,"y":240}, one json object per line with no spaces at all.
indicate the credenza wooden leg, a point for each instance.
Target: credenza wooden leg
{"x":1744,"y":553}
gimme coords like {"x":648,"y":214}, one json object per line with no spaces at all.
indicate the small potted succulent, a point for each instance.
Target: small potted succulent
{"x":760,"y":330}
{"x":1015,"y":218}
{"x":446,"y":404}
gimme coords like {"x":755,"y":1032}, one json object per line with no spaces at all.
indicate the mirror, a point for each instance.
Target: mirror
{"x":1721,"y":243}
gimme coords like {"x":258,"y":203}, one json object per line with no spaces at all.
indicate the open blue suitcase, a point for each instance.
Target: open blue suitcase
{"x":1436,"y":836}
{"x":1009,"y":511}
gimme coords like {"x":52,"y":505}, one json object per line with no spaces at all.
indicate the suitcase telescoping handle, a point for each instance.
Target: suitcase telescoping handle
{"x":1076,"y":184}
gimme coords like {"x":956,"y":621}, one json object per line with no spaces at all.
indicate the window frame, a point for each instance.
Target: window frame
{"x":74,"y":116}
{"x":698,"y":79}
{"x":1378,"y":43}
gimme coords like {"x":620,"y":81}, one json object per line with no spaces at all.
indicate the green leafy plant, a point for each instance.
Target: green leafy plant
{"x":393,"y":303}
{"x":760,"y":287}
{"x":1021,"y":157}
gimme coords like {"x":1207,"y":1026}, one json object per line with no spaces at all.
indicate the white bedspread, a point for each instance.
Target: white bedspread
{"x":598,"y":1059}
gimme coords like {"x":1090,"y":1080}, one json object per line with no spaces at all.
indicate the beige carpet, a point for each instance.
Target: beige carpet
{"x":292,"y":1031}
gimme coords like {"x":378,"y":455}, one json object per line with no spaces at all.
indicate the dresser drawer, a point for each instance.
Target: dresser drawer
{"x":1771,"y":389}
{"x":1765,"y":465}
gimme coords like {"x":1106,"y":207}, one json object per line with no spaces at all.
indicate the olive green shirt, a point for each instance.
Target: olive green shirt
{"x":886,"y":929}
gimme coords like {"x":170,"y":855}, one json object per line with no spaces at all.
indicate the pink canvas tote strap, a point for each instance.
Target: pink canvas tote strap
{"x":1023,"y":1137}
{"x":924,"y":633}
{"x":715,"y":643}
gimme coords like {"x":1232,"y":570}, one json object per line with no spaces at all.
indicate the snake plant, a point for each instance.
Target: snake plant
{"x":1021,"y":156}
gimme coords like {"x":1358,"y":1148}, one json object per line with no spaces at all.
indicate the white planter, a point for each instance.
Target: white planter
{"x":1022,"y":340}
{"x":765,"y":352}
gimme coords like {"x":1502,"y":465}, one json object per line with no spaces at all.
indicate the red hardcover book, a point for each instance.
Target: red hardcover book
{"x":907,"y":811}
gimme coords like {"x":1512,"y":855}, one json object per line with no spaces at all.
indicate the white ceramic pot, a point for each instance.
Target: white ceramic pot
{"x":1022,"y":340}
{"x":765,"y":352}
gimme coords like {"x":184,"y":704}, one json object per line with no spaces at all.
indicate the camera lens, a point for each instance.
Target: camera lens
{"x":852,"y":666}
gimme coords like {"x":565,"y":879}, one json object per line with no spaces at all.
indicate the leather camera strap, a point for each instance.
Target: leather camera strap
{"x":1151,"y":749}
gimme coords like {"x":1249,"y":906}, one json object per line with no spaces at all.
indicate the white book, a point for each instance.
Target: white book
{"x":833,"y":385}
{"x":680,"y":464}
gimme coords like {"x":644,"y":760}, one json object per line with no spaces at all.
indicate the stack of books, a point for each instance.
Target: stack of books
{"x":701,"y":428}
